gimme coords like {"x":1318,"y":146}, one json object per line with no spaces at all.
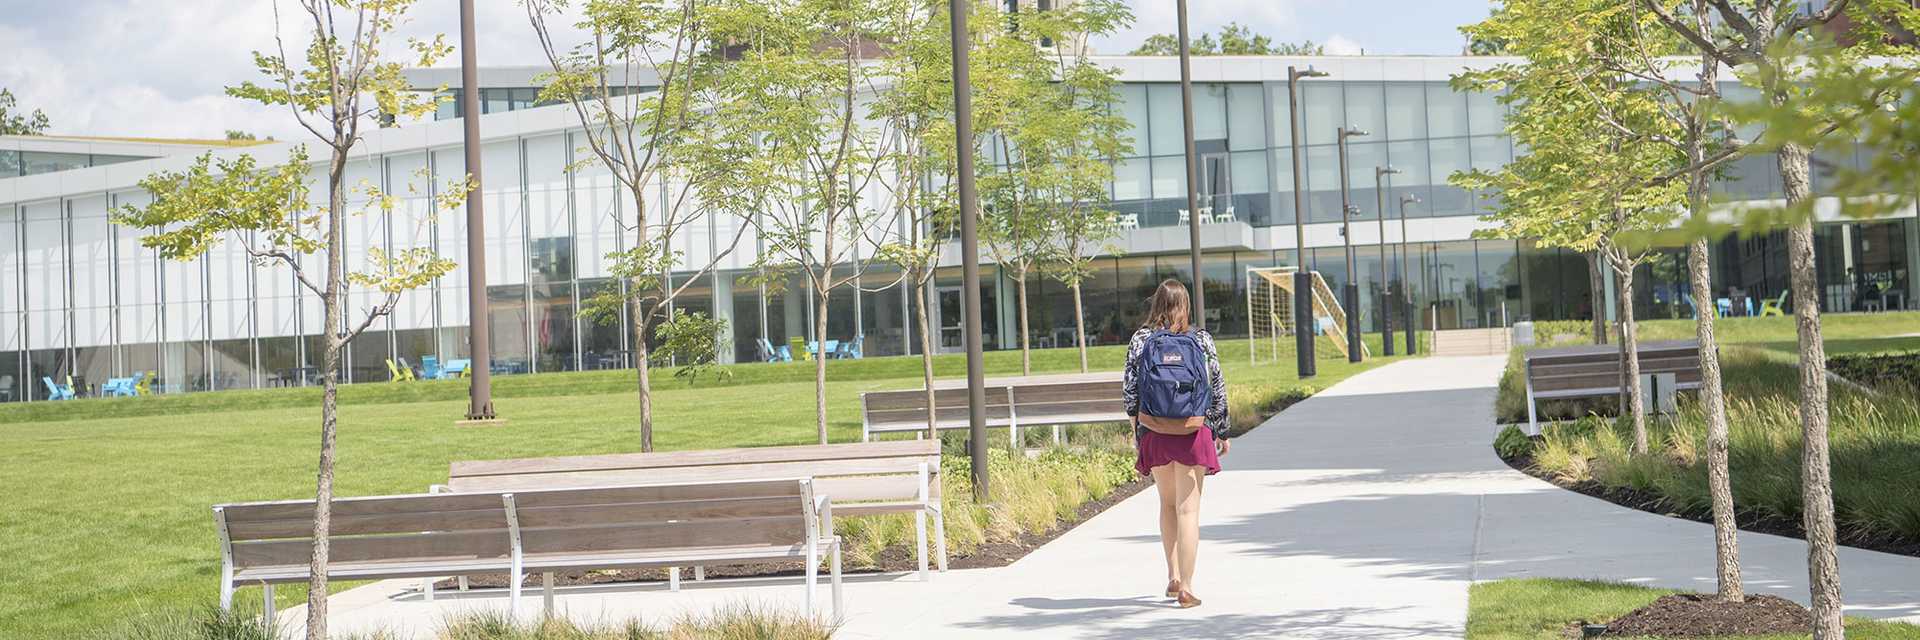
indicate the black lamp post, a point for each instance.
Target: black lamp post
{"x":1386,"y":282}
{"x":1350,"y":297}
{"x":1199,"y":293}
{"x":1303,"y":320}
{"x":1406,"y":288}
{"x":479,"y":335}
{"x":969,"y":251}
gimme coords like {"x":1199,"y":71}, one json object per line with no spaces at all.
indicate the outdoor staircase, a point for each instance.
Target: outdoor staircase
{"x":1472,"y":342}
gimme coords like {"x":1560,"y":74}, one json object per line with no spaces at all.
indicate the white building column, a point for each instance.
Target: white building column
{"x":723,"y":311}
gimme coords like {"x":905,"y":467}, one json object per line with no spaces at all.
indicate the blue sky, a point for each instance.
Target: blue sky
{"x":137,"y":67}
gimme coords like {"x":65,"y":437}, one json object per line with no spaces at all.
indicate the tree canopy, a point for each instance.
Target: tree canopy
{"x":14,"y":122}
{"x":1235,"y":39}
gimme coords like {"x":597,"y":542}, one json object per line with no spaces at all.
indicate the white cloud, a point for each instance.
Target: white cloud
{"x":1339,"y":45}
{"x":125,"y":67}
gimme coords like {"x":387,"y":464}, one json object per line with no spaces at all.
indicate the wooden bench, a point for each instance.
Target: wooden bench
{"x":865,"y":478}
{"x":535,"y":531}
{"x":1591,"y":371}
{"x":1011,"y":402}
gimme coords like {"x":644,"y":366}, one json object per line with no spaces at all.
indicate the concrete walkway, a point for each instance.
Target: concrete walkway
{"x":1364,"y":512}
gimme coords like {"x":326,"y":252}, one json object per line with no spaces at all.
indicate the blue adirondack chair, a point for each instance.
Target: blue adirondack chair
{"x":430,"y":367}
{"x":455,"y":369}
{"x":832,"y":349}
{"x":57,"y":391}
{"x":117,"y":387}
{"x":850,"y":348}
{"x":771,"y":354}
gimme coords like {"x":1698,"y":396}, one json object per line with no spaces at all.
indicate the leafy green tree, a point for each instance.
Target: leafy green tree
{"x":1638,"y":49}
{"x":792,"y":142}
{"x":1818,"y":86}
{"x":1044,"y":114}
{"x":15,"y":123}
{"x":1235,"y":39}
{"x":650,"y":144}
{"x":919,"y":105}
{"x":1590,"y":177}
{"x":341,"y":81}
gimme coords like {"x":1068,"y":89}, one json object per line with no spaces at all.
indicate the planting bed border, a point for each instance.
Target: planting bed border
{"x":1745,"y":519}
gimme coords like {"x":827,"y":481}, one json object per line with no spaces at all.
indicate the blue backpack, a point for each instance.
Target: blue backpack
{"x":1172,"y":375}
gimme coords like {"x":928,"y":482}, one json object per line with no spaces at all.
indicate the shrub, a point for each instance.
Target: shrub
{"x":1898,"y":372}
{"x":1512,"y":443}
{"x":210,"y":623}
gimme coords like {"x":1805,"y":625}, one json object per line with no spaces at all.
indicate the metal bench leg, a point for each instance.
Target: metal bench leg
{"x":920,"y":542}
{"x":700,"y":573}
{"x":226,"y":590}
{"x":1013,"y":438}
{"x":940,"y":537}
{"x":546,"y":594}
{"x":1533,"y":420}
{"x":463,"y":583}
{"x":813,"y":572}
{"x":838,"y":614}
{"x":673,"y":578}
{"x":266,"y":605}
{"x":1056,"y":434}
{"x":426,"y":589}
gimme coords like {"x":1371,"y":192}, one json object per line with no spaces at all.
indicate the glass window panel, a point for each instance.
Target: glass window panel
{"x":1323,"y":184}
{"x":91,"y":244}
{"x":1362,"y":160}
{"x":1246,"y":117}
{"x":1280,"y":114}
{"x":1406,"y":111}
{"x":1446,"y":111}
{"x":1170,"y":178}
{"x":1323,"y":111}
{"x":1486,"y":115}
{"x":1167,"y":132}
{"x":1414,"y":179}
{"x":10,"y":164}
{"x":36,"y":162}
{"x":1133,"y":107}
{"x":1449,"y":155}
{"x":1282,"y":165}
{"x":1131,"y":180}
{"x":1365,"y":110}
{"x":1209,"y":111}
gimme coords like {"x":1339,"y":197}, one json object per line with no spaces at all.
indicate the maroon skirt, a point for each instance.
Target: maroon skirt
{"x":1195,"y":449}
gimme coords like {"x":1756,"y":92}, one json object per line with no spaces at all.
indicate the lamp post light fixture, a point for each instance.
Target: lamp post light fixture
{"x":1384,"y":310}
{"x":1350,"y":297}
{"x":1304,"y":323}
{"x":1406,"y":289}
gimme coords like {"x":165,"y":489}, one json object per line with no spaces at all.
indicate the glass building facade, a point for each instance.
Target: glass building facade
{"x":80,"y":298}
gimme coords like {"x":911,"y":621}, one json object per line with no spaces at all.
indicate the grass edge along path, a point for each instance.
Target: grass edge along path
{"x":1542,"y":608}
{"x":109,"y":517}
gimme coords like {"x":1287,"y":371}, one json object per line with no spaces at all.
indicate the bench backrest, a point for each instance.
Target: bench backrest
{"x":426,"y":529}
{"x":1598,"y":366}
{"x":1024,"y":404}
{"x":855,"y":472}
{"x":423,"y":527}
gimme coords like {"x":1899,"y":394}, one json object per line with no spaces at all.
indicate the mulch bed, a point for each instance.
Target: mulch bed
{"x":1745,"y":519}
{"x":1694,"y":615}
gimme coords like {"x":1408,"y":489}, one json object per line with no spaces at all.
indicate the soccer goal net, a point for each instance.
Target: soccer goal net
{"x":1271,"y":314}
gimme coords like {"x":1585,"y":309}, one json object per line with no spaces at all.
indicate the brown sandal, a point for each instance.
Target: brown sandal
{"x":1187,"y":599}
{"x":1173,"y":589}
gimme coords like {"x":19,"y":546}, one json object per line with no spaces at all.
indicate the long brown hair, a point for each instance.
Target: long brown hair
{"x":1168,"y":309}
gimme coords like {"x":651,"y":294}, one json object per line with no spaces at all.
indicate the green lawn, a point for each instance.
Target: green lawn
{"x":1541,"y":608}
{"x":1841,"y":332}
{"x":107,"y":501}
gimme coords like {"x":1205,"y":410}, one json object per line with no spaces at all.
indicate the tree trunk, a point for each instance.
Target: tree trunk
{"x":1596,"y":276}
{"x":1026,"y":351}
{"x":1080,"y":326}
{"x":334,"y":316}
{"x":926,"y":358}
{"x":1630,"y":344}
{"x":1620,"y":314}
{"x":820,"y":359}
{"x":643,"y":368}
{"x":1713,"y":402}
{"x":1816,"y":473}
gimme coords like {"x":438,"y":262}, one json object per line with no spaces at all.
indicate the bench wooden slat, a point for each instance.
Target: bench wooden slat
{"x":706,"y":457}
{"x":717,"y":473}
{"x":477,"y":519}
{"x":453,"y":545}
{"x":652,"y":512}
{"x":369,"y":506}
{"x":703,"y":533}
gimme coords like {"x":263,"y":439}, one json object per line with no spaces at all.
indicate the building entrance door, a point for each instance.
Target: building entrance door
{"x":951,"y":307}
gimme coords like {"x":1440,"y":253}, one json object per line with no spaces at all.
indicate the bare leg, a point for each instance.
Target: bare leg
{"x":1165,"y":481}
{"x":1187,"y":479}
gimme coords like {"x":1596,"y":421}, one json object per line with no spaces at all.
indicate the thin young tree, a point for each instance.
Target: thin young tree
{"x":794,"y":141}
{"x":1781,"y":51}
{"x":1586,"y":183}
{"x":646,"y":141}
{"x":342,"y":80}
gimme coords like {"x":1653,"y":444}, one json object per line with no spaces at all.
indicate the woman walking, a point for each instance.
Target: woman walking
{"x":1173,"y":389}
